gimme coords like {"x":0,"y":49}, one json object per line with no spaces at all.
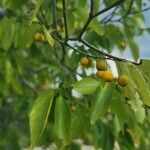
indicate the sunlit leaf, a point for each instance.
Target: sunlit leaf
{"x":87,"y":85}
{"x":102,"y":101}
{"x":141,"y":84}
{"x":39,"y":115}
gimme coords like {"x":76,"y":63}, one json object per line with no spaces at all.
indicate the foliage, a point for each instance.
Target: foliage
{"x":48,"y":99}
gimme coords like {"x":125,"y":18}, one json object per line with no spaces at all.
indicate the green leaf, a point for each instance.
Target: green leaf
{"x":9,"y":71}
{"x":140,"y":113}
{"x":97,"y":27}
{"x":102,"y":101}
{"x":108,"y":141}
{"x":87,"y":85}
{"x":146,"y":71}
{"x":32,"y":14}
{"x":117,"y":107}
{"x":141,"y":85}
{"x":48,"y":36}
{"x":81,"y":3}
{"x":7,"y":29}
{"x":139,"y":22}
{"x":82,"y":14}
{"x":80,"y":121}
{"x":116,"y":125}
{"x":28,"y":35}
{"x":63,"y":120}
{"x":138,"y":109}
{"x":39,"y":115}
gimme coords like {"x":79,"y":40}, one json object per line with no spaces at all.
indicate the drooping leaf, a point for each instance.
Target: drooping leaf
{"x":101,"y":101}
{"x":140,"y":113}
{"x":145,"y":70}
{"x":138,"y":109}
{"x":87,"y":85}
{"x":39,"y":115}
{"x":117,"y":107}
{"x":80,"y":121}
{"x":108,"y":142}
{"x":62,"y":120}
{"x":134,"y":49}
{"x":7,"y":29}
{"x":141,"y":85}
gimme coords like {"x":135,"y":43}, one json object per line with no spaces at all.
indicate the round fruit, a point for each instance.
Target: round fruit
{"x":123,"y":80}
{"x":100,"y":74}
{"x":38,"y":37}
{"x":84,"y":61}
{"x":101,"y":64}
{"x":108,"y":76}
{"x":123,"y":44}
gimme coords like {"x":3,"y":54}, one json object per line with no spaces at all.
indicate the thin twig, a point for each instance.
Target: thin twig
{"x":136,"y":12}
{"x":109,"y":17}
{"x":127,"y":12}
{"x":92,"y":16}
{"x":88,"y":20}
{"x":54,"y":13}
{"x":63,"y":54}
{"x":63,"y":65}
{"x":65,"y":18}
{"x":119,"y":2}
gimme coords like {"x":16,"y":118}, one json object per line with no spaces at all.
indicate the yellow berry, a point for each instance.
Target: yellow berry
{"x":101,"y":64}
{"x":108,"y":76}
{"x":123,"y":80}
{"x":38,"y":37}
{"x":100,"y":74}
{"x":122,"y":44}
{"x":84,"y":61}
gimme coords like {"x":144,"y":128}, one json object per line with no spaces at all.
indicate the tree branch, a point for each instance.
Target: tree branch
{"x":105,"y":55}
{"x":79,"y":39}
{"x":108,"y":55}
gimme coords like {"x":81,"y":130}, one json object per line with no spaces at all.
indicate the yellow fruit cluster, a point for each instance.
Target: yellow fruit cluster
{"x":104,"y":73}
